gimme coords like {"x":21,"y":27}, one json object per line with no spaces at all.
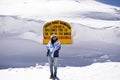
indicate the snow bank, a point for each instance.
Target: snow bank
{"x":96,"y":71}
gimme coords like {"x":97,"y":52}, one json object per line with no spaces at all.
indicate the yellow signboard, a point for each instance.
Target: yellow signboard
{"x":60,"y":28}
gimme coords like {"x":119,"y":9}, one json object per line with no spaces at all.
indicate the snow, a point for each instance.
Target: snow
{"x":31,"y":36}
{"x":108,"y":31}
{"x":95,"y":31}
{"x":47,"y":10}
{"x":96,"y":71}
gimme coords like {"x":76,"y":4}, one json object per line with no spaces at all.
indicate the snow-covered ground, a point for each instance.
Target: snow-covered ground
{"x":97,"y":71}
{"x":95,"y":32}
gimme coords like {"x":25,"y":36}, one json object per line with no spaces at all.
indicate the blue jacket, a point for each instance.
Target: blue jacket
{"x":53,"y":49}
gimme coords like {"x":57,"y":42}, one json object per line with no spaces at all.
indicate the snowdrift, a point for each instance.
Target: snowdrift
{"x":97,"y":71}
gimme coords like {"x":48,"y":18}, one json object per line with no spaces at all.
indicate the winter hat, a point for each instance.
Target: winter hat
{"x":53,"y":35}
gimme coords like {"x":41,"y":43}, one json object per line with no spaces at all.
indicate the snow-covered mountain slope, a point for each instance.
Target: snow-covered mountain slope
{"x":87,"y":12}
{"x":24,"y":44}
{"x":58,"y":9}
{"x":32,"y":29}
{"x":95,"y":31}
{"x":97,"y":71}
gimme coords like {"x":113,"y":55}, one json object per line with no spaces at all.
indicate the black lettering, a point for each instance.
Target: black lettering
{"x":47,"y":29}
{"x":47,"y":24}
{"x":55,"y":22}
{"x":65,"y":29}
{"x":53,"y":29}
{"x":46,"y":33}
{"x":60,"y":33}
{"x":60,"y":29}
{"x":65,"y":24}
{"x":67,"y":33}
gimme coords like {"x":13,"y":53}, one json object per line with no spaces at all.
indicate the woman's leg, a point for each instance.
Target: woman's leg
{"x":55,"y":66}
{"x":50,"y":60}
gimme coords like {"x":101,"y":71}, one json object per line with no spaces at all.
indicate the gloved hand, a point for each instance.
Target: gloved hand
{"x":51,"y":49}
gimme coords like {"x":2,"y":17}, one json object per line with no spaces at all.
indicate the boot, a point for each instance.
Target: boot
{"x":55,"y":76}
{"x":51,"y":76}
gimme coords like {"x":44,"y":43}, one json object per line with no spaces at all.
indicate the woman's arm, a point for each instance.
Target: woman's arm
{"x":48,"y":46}
{"x":57,"y":46}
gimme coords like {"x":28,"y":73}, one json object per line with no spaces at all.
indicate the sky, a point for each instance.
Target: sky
{"x":111,"y":2}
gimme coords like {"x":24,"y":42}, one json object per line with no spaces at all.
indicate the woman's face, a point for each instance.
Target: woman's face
{"x":54,"y":38}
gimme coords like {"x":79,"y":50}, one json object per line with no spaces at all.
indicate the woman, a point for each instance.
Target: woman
{"x":53,"y":48}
